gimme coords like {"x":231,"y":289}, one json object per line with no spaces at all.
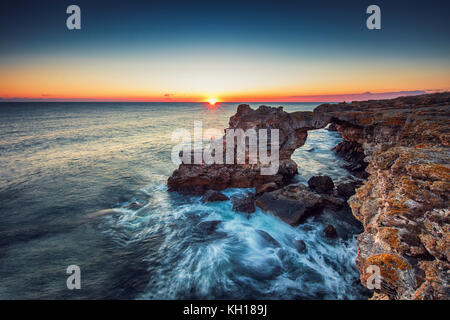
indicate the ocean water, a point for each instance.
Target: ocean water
{"x":85,"y":184}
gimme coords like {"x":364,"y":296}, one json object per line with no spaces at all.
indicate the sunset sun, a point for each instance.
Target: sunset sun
{"x":212,"y":101}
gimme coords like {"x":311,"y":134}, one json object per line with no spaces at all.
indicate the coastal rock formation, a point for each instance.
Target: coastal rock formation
{"x":196,"y":179}
{"x":293,"y":127}
{"x":401,"y":146}
{"x":404,"y":204}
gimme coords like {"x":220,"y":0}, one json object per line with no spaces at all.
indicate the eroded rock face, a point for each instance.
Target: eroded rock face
{"x":347,"y":189}
{"x":405,"y":211}
{"x":197,"y":179}
{"x":404,"y":204}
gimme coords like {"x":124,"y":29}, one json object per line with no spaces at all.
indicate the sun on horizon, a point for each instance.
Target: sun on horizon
{"x":212,"y":101}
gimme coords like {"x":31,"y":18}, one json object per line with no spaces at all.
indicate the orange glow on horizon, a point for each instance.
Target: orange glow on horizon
{"x":195,"y":79}
{"x":251,"y":97}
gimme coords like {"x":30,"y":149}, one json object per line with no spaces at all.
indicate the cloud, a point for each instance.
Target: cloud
{"x":169,"y":96}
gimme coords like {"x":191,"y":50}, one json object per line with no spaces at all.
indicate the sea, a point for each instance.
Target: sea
{"x":85,"y":184}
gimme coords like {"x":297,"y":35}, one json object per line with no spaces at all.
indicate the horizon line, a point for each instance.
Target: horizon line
{"x":319,"y":98}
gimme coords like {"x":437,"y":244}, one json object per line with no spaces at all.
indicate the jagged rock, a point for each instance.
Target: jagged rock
{"x":292,"y":126}
{"x":292,"y":204}
{"x":330,"y":232}
{"x":214,"y":196}
{"x":321,"y":184}
{"x":244,"y":203}
{"x":268,"y":187}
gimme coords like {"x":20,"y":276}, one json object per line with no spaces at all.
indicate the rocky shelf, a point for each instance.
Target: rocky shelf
{"x":401,"y":147}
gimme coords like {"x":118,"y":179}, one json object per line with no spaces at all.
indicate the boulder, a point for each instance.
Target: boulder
{"x":330,"y":232}
{"x":208,"y":227}
{"x":332,"y":201}
{"x":300,"y":245}
{"x":321,"y":184}
{"x":244,"y":203}
{"x":214,"y":196}
{"x":347,"y":189}
{"x":268,"y":239}
{"x":268,"y":187}
{"x":292,"y":204}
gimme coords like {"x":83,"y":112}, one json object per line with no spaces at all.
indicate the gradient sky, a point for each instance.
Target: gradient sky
{"x":230,"y":50}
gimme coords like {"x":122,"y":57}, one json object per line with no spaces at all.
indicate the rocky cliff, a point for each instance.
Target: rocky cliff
{"x":400,"y":146}
{"x":404,"y":203}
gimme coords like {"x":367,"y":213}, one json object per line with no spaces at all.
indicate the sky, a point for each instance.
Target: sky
{"x":227,"y":50}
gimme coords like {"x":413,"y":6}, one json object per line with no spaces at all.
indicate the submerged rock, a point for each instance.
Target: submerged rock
{"x":268,"y":238}
{"x":214,"y":196}
{"x":321,"y":184}
{"x":330,"y":232}
{"x":244,"y":203}
{"x":300,"y":245}
{"x":208,"y":227}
